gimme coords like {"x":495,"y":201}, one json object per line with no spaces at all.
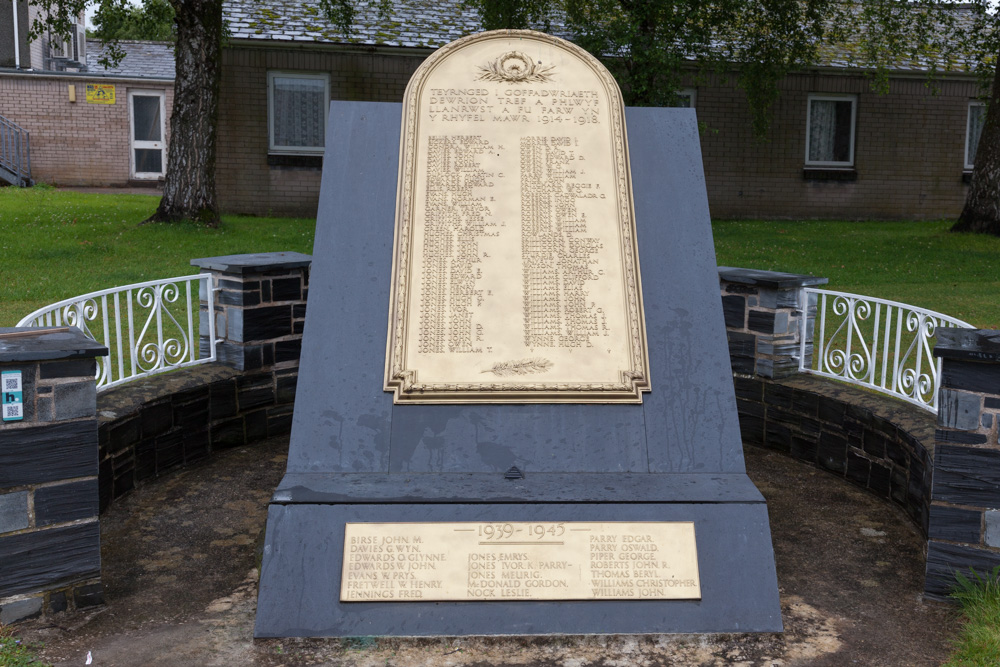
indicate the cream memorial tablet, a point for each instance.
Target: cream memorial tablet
{"x":516,"y":272}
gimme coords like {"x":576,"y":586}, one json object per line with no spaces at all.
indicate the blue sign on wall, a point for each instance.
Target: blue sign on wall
{"x":10,"y":392}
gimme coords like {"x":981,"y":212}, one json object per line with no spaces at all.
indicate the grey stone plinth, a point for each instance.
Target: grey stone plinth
{"x":254,"y":263}
{"x":46,"y":343}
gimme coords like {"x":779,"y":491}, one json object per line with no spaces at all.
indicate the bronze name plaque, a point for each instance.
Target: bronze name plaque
{"x":516,"y":270}
{"x":401,"y":562}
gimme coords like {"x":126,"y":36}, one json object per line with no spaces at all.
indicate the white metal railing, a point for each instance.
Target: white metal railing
{"x":880,"y":344}
{"x":148,"y":327}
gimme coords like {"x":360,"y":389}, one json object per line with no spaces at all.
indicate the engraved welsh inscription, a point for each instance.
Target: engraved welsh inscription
{"x":519,"y":560}
{"x":516,"y":272}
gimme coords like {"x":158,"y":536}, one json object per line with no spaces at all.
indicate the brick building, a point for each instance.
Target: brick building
{"x":88,"y":124}
{"x":835,"y":150}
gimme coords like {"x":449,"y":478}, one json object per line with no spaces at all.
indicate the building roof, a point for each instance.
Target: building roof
{"x":412,"y":23}
{"x":143,"y":60}
{"x":428,"y":24}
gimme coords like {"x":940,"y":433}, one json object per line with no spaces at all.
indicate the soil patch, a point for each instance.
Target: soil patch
{"x":180,"y":558}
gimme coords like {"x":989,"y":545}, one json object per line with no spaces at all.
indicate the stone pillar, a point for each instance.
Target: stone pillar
{"x":763,"y":313}
{"x":260,"y":308}
{"x":50,"y":542}
{"x":964,"y":528}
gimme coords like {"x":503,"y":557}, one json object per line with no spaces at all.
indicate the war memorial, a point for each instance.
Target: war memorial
{"x":503,"y":426}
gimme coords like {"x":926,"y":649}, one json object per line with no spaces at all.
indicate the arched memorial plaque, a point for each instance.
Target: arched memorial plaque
{"x":516,"y":269}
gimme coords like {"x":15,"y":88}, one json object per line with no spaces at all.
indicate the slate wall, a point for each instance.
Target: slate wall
{"x":156,"y":424}
{"x":965,"y":512}
{"x":875,"y":442}
{"x":50,"y":555}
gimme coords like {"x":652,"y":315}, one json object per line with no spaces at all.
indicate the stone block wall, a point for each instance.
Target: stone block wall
{"x":880,"y":444}
{"x":965,"y":512}
{"x":156,"y":424}
{"x":876,"y":442}
{"x":163,"y":422}
{"x":50,"y":556}
{"x":764,"y":320}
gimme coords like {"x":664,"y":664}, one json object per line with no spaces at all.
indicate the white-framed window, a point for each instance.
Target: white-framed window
{"x":60,"y":47}
{"x":830,"y":121}
{"x":686,"y":98}
{"x":297,"y":104}
{"x":973,"y":128}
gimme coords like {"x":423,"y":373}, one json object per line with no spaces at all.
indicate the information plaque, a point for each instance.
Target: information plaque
{"x":516,"y":270}
{"x":400,"y":562}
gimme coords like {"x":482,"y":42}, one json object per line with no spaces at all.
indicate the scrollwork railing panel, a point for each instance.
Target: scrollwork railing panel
{"x":148,"y":327}
{"x":881,"y":344}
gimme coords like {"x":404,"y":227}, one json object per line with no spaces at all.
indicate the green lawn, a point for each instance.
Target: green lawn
{"x":918,"y":263}
{"x":55,"y":244}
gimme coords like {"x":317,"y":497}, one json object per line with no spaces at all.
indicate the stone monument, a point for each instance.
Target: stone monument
{"x":540,"y":440}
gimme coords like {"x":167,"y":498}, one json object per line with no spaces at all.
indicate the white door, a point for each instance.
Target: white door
{"x":148,"y":155}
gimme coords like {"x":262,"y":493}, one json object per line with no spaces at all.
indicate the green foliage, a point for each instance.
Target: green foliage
{"x":512,"y":14}
{"x":14,"y":652}
{"x":57,"y":244}
{"x":978,"y":643}
{"x":152,"y":20}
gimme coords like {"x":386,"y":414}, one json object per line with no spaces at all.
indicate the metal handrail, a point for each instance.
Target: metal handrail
{"x":139,"y":325}
{"x":866,"y":348}
{"x":15,"y":150}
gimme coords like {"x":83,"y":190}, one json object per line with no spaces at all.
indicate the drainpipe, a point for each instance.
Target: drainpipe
{"x":17,"y":39}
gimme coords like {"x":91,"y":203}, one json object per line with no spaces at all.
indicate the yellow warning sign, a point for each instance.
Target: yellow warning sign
{"x":100,"y":93}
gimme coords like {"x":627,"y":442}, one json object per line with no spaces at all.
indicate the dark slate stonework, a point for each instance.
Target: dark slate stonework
{"x":960,"y":437}
{"x":286,"y":289}
{"x":763,"y":322}
{"x":955,"y":524}
{"x":982,"y":345}
{"x":57,"y":343}
{"x":843,"y":429}
{"x":66,"y":502}
{"x":63,"y":369}
{"x":958,"y":409}
{"x":254,"y":263}
{"x":255,"y":390}
{"x":88,"y":596}
{"x":734,"y":310}
{"x":943,"y":560}
{"x":48,"y":453}
{"x":43,"y":559}
{"x":58,"y":602}
{"x":21,"y":610}
{"x":157,"y":418}
{"x":13,"y":511}
{"x":971,"y":376}
{"x":258,"y":324}
{"x":223,"y":399}
{"x":966,"y":475}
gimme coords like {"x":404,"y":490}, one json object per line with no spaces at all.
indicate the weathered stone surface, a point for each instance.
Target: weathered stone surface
{"x":734,"y":311}
{"x":20,"y":610}
{"x":59,"y":369}
{"x":959,"y":409}
{"x":48,"y":453}
{"x":88,"y":596}
{"x":66,"y":502}
{"x":955,"y":524}
{"x":971,"y":375}
{"x":48,"y":344}
{"x":944,"y":560}
{"x":13,"y":511}
{"x":251,"y":263}
{"x":47,"y":558}
{"x":992,"y":533}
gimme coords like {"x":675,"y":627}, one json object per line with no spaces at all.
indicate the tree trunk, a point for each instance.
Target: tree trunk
{"x":189,"y":187}
{"x":982,"y":206}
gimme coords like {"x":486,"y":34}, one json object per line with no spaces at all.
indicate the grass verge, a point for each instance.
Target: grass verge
{"x":917,"y":262}
{"x":55,"y":244}
{"x":14,"y":652}
{"x":978,"y":643}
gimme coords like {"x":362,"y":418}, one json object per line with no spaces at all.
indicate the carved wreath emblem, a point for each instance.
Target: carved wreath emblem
{"x":515,"y":67}
{"x":522,"y":367}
